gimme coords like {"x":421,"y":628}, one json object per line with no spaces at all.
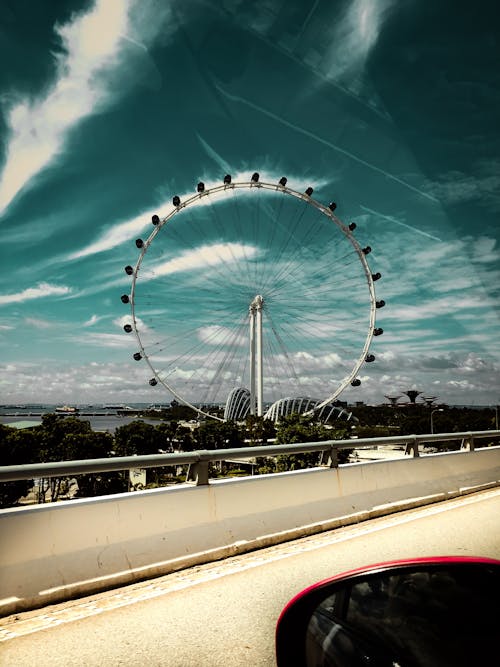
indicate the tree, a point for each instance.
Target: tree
{"x":17,"y":447}
{"x":214,"y":434}
{"x":298,"y":428}
{"x":184,"y":439}
{"x":56,"y":441}
{"x":71,"y":439}
{"x":259,"y":430}
{"x":178,"y":411}
{"x":137,"y":439}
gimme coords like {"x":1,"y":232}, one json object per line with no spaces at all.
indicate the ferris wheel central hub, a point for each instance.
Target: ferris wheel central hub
{"x":257,"y":303}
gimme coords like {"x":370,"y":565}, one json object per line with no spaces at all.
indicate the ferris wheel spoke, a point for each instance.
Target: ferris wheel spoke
{"x":239,"y":229}
{"x":223,"y":366}
{"x":244,"y":257}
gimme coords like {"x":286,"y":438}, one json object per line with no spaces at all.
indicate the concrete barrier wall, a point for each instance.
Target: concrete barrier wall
{"x":54,"y":552}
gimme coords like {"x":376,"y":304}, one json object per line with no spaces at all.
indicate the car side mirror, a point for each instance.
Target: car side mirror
{"x":436,"y":612}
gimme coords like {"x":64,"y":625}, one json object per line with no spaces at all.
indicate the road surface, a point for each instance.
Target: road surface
{"x":225,"y":613}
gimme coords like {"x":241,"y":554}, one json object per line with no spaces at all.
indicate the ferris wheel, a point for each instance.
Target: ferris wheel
{"x":256,"y":287}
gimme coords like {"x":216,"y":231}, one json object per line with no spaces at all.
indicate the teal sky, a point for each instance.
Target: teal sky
{"x":109,"y":109}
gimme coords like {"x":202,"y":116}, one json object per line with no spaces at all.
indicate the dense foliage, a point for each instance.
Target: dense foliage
{"x":416,"y":419}
{"x":61,"y":439}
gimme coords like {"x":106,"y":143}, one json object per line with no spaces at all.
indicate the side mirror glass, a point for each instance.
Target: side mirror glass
{"x":434,"y":613}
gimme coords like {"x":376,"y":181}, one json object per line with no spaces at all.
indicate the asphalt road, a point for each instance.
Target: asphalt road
{"x":225,"y":613}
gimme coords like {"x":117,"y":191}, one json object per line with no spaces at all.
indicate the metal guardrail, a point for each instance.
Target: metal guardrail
{"x":198,"y":460}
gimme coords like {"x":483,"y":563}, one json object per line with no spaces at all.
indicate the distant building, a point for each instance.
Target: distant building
{"x":429,"y":400}
{"x":285,"y":407}
{"x":237,"y":405}
{"x":393,"y":399}
{"x":412,"y":395}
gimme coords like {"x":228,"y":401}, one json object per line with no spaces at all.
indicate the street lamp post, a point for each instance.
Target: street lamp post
{"x":432,"y":414}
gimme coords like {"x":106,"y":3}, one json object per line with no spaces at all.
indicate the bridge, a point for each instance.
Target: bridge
{"x":226,"y":612}
{"x":238,"y":548}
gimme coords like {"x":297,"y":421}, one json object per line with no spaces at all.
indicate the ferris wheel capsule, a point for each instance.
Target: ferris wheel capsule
{"x":233,"y":296}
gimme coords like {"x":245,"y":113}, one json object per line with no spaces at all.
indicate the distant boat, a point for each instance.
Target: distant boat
{"x":67,"y":410}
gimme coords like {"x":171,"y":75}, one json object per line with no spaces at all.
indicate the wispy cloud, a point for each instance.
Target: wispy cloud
{"x":482,"y":185}
{"x":93,"y":45}
{"x":41,"y":291}
{"x":38,"y":323}
{"x":116,"y":235}
{"x":38,"y":129}
{"x":207,"y":255}
{"x":436,"y":307}
{"x":484,"y":250}
{"x":216,"y":335}
{"x":125,"y":319}
{"x":355,"y":35}
{"x":91,"y":321}
{"x":101,"y":340}
{"x":124,"y":231}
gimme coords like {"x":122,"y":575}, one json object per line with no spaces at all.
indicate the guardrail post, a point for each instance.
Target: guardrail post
{"x":412,"y":447}
{"x":198,"y":473}
{"x":333,"y":460}
{"x":468,"y":443}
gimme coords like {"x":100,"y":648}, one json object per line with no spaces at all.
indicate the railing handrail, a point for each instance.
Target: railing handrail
{"x":200,"y":459}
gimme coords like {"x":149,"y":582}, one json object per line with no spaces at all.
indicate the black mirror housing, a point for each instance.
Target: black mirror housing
{"x":419,"y":613}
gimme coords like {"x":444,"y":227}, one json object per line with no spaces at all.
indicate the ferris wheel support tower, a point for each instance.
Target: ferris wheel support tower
{"x":256,"y":372}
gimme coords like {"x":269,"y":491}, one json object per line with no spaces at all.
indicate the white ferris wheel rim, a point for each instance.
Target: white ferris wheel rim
{"x":325,"y":210}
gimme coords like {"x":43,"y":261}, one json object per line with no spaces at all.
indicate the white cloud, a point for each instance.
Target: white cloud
{"x":42,"y":290}
{"x":484,"y":250}
{"x":37,"y":323}
{"x":124,"y":231}
{"x":101,"y":340}
{"x":93,"y":45}
{"x":67,"y":382}
{"x":451,"y":305}
{"x":482,"y":184}
{"x":91,"y":42}
{"x":126,"y":319}
{"x":355,"y":36}
{"x":216,"y":335}
{"x":207,"y":255}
